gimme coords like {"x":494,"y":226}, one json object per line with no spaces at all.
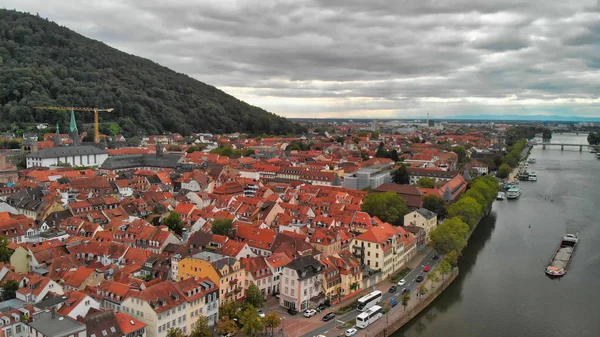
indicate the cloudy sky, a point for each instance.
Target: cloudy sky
{"x":363,"y":58}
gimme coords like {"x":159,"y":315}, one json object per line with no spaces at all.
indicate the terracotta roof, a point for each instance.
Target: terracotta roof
{"x":128,"y":324}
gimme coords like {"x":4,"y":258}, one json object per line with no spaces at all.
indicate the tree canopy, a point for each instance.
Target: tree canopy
{"x":467,"y":209}
{"x":426,"y":182}
{"x":174,"y":222}
{"x":388,"y":207}
{"x":449,"y":236}
{"x":400,"y":176}
{"x":504,"y":171}
{"x":44,"y":64}
{"x":201,"y":329}
{"x":226,"y":326}
{"x":9,"y":289}
{"x":222,"y":227}
{"x":436,"y":204}
{"x":5,"y":252}
{"x":254,"y":297}
{"x":251,"y":323}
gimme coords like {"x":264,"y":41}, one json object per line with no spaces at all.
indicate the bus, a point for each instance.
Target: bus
{"x":368,"y":317}
{"x":369,"y":300}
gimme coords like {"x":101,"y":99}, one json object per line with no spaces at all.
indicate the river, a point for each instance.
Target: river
{"x":502,"y":290}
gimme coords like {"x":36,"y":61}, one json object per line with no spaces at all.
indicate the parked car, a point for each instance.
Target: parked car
{"x":405,"y":291}
{"x":426,"y":269}
{"x":419,"y":278}
{"x":292,"y":311}
{"x":320,"y":307}
{"x":393,"y":302}
{"x":393,"y":289}
{"x":309,"y":313}
{"x":350,"y":332}
{"x":261,"y":314}
{"x":436,"y":257}
{"x":402,"y":282}
{"x":328,"y":317}
{"x":229,"y":334}
{"x":237,"y":322}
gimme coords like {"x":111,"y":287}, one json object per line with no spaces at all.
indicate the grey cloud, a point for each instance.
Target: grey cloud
{"x":346,"y":57}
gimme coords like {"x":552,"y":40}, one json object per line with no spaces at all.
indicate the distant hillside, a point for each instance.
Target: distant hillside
{"x":42,"y":63}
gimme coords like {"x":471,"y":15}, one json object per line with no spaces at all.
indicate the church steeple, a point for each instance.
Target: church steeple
{"x":73,"y":124}
{"x":73,"y":131}
{"x":57,"y":140}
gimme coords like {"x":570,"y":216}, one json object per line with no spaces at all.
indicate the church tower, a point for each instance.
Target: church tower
{"x":57,"y":140}
{"x":73,"y":131}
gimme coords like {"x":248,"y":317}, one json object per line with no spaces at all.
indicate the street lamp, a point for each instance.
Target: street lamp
{"x":282,"y":327}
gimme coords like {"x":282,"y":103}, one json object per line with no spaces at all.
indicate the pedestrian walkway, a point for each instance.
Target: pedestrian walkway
{"x":293,"y":327}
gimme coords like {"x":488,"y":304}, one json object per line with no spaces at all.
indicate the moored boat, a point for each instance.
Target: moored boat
{"x":531,"y":160}
{"x":562,"y":256}
{"x":500,"y":196}
{"x":532,"y":176}
{"x":513,"y":193}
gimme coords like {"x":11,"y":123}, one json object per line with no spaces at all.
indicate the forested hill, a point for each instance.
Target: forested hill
{"x":42,"y":63}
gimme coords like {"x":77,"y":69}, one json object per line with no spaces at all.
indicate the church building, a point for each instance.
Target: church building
{"x":74,"y":155}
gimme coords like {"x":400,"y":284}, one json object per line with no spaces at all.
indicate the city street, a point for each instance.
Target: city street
{"x":310,"y":328}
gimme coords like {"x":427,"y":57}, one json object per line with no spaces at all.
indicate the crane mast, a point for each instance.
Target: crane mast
{"x":95,"y":110}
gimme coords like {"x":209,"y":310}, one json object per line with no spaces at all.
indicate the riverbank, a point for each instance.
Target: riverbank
{"x":395,"y":320}
{"x":514,"y":175}
{"x":384,"y":327}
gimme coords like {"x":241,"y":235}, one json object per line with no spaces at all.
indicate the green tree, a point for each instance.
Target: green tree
{"x":436,"y":204}
{"x":201,"y":329}
{"x":473,"y":193}
{"x":461,"y":153}
{"x":388,"y":207}
{"x":422,"y":289}
{"x":487,"y":188}
{"x":272,"y":321}
{"x":5,"y":252}
{"x":222,"y":227}
{"x":449,"y":236}
{"x":174,"y":148}
{"x":230,"y":309}
{"x":251,"y":323}
{"x":404,"y":298}
{"x":444,"y":268}
{"x":504,"y":171}
{"x":400,"y":176}
{"x":433,"y":277}
{"x":174,"y":223}
{"x":175,"y":332}
{"x":9,"y":289}
{"x":468,"y":209}
{"x":226,"y":326}
{"x":426,"y":182}
{"x":452,"y":257}
{"x":254,"y":297}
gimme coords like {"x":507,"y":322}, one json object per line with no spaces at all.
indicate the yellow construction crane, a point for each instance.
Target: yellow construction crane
{"x":95,"y":110}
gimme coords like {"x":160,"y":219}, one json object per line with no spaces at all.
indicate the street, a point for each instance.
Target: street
{"x":331,"y":328}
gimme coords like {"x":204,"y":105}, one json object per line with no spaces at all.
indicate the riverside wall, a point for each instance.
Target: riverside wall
{"x":399,"y":318}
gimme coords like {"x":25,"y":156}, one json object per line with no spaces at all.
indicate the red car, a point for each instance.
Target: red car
{"x":426,"y":269}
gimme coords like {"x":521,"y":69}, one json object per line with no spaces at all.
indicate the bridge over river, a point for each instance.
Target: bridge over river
{"x":562,"y":145}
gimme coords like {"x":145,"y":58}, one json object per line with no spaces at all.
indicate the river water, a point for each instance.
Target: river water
{"x":502,"y":290}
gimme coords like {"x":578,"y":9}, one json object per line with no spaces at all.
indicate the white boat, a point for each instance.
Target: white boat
{"x":531,"y":160}
{"x":500,"y":196}
{"x":513,"y":193}
{"x":532,"y":176}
